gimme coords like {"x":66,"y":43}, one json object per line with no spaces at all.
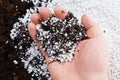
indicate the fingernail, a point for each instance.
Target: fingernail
{"x":45,"y":13}
{"x":35,"y":18}
{"x":60,"y":12}
{"x":85,"y":15}
{"x":88,"y":17}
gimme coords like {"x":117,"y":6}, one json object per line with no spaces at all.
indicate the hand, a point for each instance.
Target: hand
{"x":90,"y":61}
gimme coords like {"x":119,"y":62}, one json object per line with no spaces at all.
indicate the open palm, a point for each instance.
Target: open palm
{"x":90,"y":61}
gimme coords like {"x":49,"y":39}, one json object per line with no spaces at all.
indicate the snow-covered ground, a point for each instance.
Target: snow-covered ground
{"x":106,"y":13}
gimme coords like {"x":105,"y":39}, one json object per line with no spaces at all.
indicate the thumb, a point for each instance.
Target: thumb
{"x":91,"y":26}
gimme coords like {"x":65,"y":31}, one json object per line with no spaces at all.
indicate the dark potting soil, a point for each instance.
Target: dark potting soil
{"x":10,"y":10}
{"x":59,"y":38}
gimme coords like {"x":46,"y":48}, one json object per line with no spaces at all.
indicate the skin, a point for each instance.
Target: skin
{"x":91,"y":56}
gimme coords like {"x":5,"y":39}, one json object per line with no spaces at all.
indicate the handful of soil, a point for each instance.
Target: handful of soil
{"x":59,"y":38}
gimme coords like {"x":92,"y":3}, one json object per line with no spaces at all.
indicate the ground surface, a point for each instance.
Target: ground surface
{"x":8,"y":16}
{"x":105,"y":12}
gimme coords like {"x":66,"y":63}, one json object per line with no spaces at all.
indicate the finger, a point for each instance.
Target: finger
{"x":45,"y":13}
{"x":60,"y":12}
{"x":35,"y":18}
{"x":92,"y":27}
{"x":32,"y":30}
{"x":41,"y":50}
{"x":47,"y":58}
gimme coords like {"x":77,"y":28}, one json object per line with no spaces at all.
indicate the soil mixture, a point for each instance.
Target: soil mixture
{"x":59,"y":38}
{"x":10,"y":10}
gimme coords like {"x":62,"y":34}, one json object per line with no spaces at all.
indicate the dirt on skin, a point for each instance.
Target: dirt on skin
{"x":10,"y":10}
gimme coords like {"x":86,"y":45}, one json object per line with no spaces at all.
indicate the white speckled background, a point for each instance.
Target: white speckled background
{"x":107,"y":14}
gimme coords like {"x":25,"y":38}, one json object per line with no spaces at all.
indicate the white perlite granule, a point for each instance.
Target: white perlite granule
{"x":107,"y":13}
{"x":15,"y":62}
